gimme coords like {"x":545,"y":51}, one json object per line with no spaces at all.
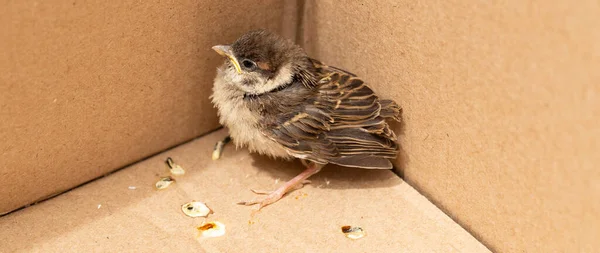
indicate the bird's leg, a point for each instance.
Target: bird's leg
{"x":295,"y":183}
{"x":219,"y":147}
{"x":296,"y":187}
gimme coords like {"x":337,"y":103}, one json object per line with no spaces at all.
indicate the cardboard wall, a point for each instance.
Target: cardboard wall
{"x":87,"y":87}
{"x":501,"y":99}
{"x":501,"y":102}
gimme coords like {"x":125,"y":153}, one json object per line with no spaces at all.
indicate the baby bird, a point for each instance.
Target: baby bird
{"x":277,"y":101}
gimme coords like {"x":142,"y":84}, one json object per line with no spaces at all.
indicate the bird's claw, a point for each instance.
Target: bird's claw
{"x":260,"y":192}
{"x":272,"y":197}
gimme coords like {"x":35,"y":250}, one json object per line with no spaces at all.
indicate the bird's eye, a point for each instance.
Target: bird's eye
{"x":248,"y":64}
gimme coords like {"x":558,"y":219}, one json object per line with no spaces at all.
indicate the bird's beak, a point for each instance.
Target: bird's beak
{"x":226,"y":51}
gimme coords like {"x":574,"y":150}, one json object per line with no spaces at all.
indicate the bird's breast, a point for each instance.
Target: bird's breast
{"x":243,"y":123}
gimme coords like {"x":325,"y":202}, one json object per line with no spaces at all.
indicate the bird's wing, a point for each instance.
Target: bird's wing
{"x":304,"y":133}
{"x":344,"y":124}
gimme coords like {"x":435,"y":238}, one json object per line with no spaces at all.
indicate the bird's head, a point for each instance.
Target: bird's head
{"x":261,"y":61}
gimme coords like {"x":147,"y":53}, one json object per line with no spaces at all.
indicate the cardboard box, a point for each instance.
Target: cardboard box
{"x":500,"y":101}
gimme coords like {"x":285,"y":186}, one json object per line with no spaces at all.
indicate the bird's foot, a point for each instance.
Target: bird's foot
{"x":295,"y":187}
{"x":296,"y":183}
{"x":271,"y":198}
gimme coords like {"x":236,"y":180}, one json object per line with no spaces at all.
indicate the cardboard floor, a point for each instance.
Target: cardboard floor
{"x":123,"y":212}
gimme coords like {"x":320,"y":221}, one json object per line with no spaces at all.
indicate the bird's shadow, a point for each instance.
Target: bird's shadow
{"x":331,"y":176}
{"x":401,"y":162}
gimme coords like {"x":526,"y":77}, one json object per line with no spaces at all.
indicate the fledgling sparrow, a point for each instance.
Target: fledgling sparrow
{"x":277,"y":101}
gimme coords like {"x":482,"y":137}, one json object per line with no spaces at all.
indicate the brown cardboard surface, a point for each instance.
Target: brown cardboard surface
{"x":107,"y":216}
{"x":501,"y":101}
{"x":87,"y":87}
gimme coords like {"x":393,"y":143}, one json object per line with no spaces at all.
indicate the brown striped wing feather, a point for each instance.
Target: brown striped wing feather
{"x":344,"y":124}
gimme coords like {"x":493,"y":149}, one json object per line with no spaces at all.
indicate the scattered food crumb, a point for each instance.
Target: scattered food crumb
{"x":99,"y":205}
{"x":250,"y":222}
{"x":353,"y":232}
{"x":301,"y":195}
{"x":132,"y":187}
{"x":174,"y":168}
{"x":327,"y":182}
{"x":277,"y":181}
{"x":218,"y":150}
{"x":212,"y":229}
{"x":164,"y":182}
{"x":196,"y":209}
